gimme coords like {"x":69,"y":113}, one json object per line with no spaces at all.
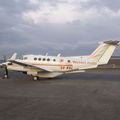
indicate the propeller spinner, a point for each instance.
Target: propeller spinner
{"x":5,"y":62}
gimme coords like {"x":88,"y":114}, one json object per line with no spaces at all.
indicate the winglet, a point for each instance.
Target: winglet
{"x":13,"y":56}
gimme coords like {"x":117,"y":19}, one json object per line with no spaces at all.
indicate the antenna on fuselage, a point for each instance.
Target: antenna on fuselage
{"x":59,"y":55}
{"x":46,"y":54}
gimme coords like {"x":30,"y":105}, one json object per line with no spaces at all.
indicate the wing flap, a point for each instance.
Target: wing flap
{"x":87,"y":67}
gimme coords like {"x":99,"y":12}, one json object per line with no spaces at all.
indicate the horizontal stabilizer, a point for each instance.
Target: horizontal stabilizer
{"x":110,"y":42}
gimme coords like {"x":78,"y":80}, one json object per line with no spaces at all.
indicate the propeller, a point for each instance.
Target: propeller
{"x":6,"y":62}
{"x":4,"y":58}
{"x":5,"y":67}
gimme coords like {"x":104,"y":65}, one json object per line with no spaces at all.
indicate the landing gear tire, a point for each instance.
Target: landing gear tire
{"x":35,"y":78}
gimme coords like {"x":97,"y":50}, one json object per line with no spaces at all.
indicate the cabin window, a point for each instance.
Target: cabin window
{"x":61,"y":60}
{"x":48,"y":59}
{"x":39,"y":59}
{"x":44,"y":59}
{"x":68,"y":61}
{"x":35,"y":58}
{"x":54,"y":60}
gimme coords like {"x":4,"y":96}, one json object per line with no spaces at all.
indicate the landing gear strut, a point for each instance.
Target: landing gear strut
{"x":6,"y":73}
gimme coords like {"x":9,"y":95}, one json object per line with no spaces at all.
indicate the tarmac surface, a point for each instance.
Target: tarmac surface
{"x":83,"y":96}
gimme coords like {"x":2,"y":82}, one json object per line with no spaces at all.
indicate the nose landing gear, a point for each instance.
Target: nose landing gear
{"x":5,"y":76}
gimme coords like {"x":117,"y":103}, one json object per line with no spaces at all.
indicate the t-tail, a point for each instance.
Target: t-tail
{"x":104,"y":52}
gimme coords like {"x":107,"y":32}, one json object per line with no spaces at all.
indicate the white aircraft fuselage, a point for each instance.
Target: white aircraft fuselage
{"x":53,"y":66}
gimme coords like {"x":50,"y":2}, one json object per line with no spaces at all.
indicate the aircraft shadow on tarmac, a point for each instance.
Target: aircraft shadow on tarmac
{"x":77,"y":76}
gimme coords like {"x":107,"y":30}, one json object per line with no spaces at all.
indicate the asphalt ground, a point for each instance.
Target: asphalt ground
{"x":85,"y":96}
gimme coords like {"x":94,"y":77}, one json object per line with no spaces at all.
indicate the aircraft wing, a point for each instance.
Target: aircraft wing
{"x":82,"y":69}
{"x":39,"y":68}
{"x":87,"y":67}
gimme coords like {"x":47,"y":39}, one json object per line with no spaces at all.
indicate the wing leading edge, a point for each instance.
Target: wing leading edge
{"x":39,"y":68}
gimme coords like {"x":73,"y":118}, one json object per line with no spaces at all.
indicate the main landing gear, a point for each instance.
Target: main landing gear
{"x":35,"y":78}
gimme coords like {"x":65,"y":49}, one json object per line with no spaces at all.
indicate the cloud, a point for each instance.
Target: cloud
{"x":57,"y":25}
{"x":66,"y":12}
{"x":62,"y":13}
{"x":54,"y":11}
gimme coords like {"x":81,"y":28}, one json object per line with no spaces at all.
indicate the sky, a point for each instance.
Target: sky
{"x":69,"y":27}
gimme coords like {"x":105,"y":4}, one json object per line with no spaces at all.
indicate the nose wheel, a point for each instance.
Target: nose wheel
{"x":5,"y":76}
{"x":35,"y":78}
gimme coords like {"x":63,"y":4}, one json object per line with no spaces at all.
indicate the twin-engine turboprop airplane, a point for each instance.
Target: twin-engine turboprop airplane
{"x":53,"y":66}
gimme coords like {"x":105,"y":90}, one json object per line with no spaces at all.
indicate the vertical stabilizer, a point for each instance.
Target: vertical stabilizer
{"x":14,"y":56}
{"x":103,"y":53}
